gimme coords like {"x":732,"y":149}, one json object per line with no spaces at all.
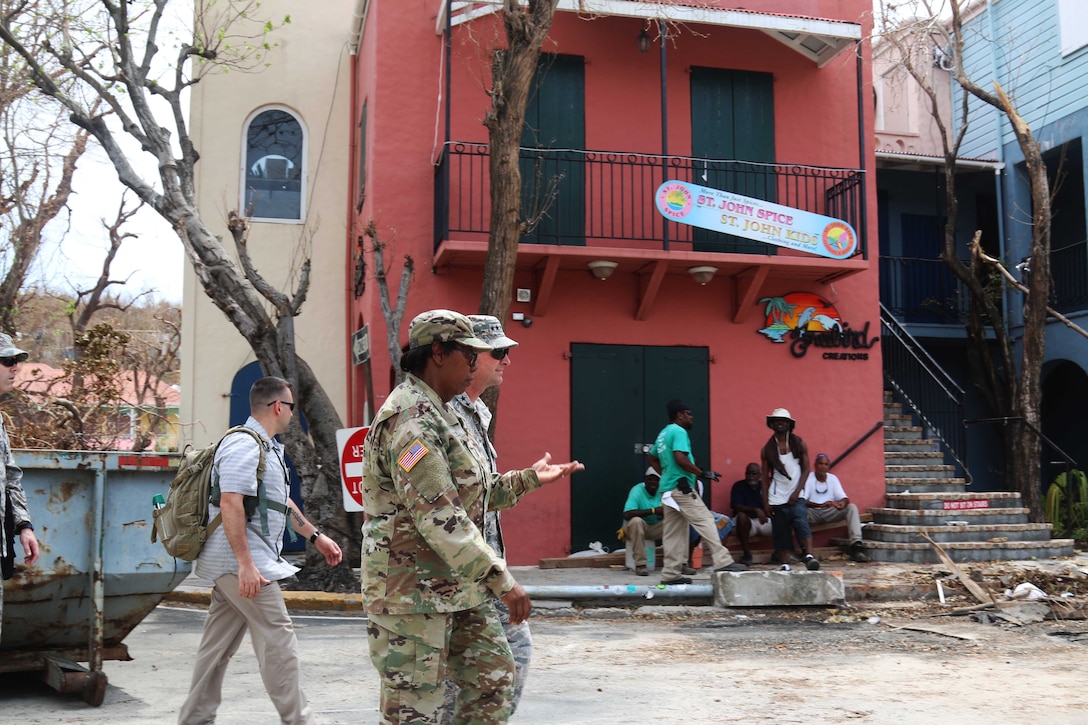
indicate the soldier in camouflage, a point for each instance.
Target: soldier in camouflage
{"x":429,"y":577}
{"x":477,"y":418}
{"x":15,"y":521}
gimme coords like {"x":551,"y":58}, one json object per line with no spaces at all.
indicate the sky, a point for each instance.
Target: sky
{"x":75,"y":247}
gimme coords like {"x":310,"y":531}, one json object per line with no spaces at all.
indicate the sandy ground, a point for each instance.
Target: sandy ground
{"x":815,"y":666}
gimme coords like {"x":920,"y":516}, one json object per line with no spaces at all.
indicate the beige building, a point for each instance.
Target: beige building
{"x":273,"y":140}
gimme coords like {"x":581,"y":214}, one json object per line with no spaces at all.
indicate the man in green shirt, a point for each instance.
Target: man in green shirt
{"x":643,"y":519}
{"x":671,"y":453}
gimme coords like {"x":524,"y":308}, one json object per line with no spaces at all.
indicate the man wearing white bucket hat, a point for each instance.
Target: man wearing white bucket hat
{"x":785,"y":468}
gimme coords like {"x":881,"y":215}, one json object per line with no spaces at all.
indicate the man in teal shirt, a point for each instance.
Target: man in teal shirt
{"x":643,"y":519}
{"x":671,"y":453}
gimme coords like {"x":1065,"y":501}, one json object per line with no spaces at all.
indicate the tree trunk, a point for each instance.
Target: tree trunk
{"x":512,"y":74}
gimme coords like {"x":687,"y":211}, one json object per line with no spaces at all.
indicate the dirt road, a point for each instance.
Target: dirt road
{"x":751,"y":667}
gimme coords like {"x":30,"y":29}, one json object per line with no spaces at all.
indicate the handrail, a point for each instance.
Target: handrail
{"x":924,"y":386}
{"x":858,"y":442}
{"x":1070,"y":464}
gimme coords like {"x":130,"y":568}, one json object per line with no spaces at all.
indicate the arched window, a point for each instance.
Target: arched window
{"x":274,"y":177}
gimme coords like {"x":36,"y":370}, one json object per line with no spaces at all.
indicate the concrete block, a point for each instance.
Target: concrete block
{"x":777,"y":588}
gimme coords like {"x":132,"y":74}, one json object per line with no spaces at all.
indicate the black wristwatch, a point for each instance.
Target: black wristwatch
{"x":313,"y":536}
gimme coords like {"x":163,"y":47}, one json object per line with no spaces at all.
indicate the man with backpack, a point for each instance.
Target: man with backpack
{"x":242,"y":558}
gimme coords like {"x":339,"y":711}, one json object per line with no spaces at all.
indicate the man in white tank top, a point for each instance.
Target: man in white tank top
{"x":784,"y":461}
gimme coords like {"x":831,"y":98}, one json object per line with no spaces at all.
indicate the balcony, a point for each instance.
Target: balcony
{"x":1069,"y":277}
{"x":586,"y":205}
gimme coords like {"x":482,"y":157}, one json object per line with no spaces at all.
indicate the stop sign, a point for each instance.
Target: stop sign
{"x":349,"y":441}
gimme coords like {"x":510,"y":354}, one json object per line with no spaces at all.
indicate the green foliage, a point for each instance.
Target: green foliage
{"x":1067,"y":506}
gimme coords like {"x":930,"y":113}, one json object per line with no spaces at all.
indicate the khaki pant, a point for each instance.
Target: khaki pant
{"x":830,"y":515}
{"x":693,"y":512}
{"x":637,"y":532}
{"x":265,"y":617}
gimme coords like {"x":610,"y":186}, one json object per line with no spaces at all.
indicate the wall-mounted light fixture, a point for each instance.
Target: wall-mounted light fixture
{"x":702,"y":275}
{"x":644,"y":40}
{"x":602,"y":268}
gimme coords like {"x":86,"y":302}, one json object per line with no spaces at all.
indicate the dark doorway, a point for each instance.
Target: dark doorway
{"x":618,"y":397}
{"x":1065,"y":400}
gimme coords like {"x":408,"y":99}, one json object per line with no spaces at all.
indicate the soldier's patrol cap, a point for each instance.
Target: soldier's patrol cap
{"x":443,"y":326}
{"x":489,"y":329}
{"x":8,"y":349}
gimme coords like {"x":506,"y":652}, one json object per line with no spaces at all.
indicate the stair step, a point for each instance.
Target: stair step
{"x":968,"y":551}
{"x":954,"y":502}
{"x":902,"y":431}
{"x":971,"y":533}
{"x":918,"y":445}
{"x":913,"y":458}
{"x":981,"y":517}
{"x":900,"y":419}
{"x":929,"y":470}
{"x":925,"y":485}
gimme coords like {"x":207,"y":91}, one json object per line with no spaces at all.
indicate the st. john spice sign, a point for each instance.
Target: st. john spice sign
{"x":804,"y":320}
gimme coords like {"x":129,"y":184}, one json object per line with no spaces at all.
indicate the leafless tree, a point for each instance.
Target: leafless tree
{"x":112,"y":49}
{"x":38,"y":155}
{"x":1011,"y":390}
{"x":512,"y":71}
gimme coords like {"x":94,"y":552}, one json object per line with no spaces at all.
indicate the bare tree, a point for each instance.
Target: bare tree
{"x":111,"y":48}
{"x":1012,"y":391}
{"x":392,"y":312}
{"x":38,"y":155}
{"x":512,"y":71}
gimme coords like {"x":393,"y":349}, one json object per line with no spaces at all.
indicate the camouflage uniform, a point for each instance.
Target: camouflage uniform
{"x":12,"y":496}
{"x":477,"y":419}
{"x":429,"y":577}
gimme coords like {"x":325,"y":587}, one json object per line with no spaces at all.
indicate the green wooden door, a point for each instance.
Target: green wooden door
{"x":552,"y":177}
{"x":618,"y":397}
{"x":732,"y":119}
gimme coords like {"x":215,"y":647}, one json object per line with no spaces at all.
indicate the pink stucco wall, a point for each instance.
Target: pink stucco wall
{"x":835,"y":402}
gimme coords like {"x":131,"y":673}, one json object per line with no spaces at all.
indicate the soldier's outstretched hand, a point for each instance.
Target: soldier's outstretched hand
{"x":548,"y":472}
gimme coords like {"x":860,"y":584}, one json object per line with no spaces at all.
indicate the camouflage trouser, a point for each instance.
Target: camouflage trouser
{"x":416,"y":653}
{"x":521,"y":646}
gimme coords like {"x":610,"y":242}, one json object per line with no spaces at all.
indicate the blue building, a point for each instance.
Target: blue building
{"x":1037,"y":50}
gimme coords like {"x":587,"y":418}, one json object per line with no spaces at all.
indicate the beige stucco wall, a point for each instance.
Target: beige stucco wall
{"x":309,"y":73}
{"x":903,"y":119}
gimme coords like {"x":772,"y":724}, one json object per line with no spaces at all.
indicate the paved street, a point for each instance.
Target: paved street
{"x":777,"y":666}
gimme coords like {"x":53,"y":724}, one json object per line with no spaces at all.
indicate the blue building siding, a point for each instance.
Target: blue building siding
{"x":1020,"y":47}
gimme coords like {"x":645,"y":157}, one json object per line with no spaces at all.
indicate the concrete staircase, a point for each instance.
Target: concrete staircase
{"x":923,"y":496}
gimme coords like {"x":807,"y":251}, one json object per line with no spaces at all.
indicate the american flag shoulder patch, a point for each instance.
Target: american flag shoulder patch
{"x":413,"y":455}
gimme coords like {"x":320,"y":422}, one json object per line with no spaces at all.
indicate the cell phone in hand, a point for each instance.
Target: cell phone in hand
{"x":711,"y":475}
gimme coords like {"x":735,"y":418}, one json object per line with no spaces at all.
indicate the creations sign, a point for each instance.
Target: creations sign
{"x":806,"y":320}
{"x":763,"y":221}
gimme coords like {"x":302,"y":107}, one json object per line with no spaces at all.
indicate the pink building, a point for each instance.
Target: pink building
{"x":764,"y":105}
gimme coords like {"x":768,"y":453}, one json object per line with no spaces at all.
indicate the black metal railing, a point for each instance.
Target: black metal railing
{"x":922,"y":385}
{"x":574,"y":196}
{"x":1069,"y":277}
{"x":922,"y":291}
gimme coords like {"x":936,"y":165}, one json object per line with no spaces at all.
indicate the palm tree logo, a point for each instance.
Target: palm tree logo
{"x":776,"y":312}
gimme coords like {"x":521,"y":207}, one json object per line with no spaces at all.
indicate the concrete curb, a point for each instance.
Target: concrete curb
{"x":299,"y":601}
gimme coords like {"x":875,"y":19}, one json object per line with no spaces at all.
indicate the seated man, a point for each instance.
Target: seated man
{"x":828,"y":502}
{"x":643,"y":519}
{"x":746,"y":500}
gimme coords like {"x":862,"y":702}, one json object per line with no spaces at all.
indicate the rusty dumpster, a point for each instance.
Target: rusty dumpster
{"x":98,"y":575}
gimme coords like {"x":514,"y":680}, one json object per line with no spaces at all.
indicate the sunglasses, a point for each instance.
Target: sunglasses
{"x":10,"y":362}
{"x":289,"y":405}
{"x":470,"y":355}
{"x":500,"y":353}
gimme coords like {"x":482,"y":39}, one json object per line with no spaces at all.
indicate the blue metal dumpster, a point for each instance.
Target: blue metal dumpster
{"x":98,"y":575}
